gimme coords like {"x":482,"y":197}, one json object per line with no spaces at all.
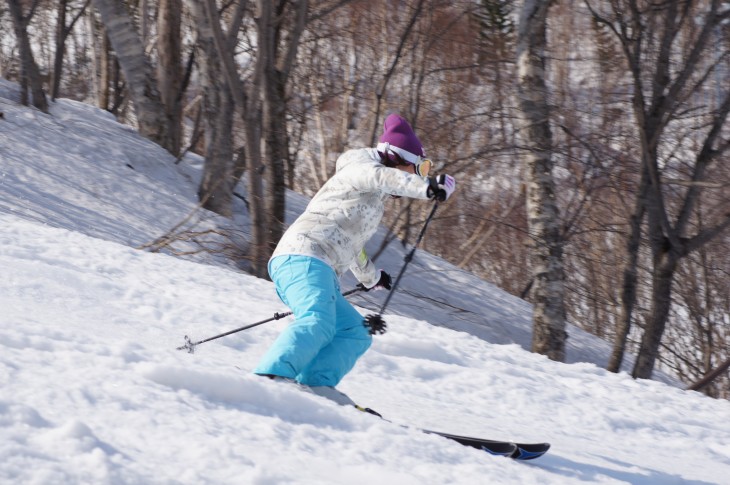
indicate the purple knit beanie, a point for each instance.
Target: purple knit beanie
{"x":398,"y":137}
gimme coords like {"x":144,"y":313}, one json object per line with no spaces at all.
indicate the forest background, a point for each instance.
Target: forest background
{"x":635,"y":97}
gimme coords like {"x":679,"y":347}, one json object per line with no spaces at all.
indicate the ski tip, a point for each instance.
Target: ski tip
{"x":530,"y":451}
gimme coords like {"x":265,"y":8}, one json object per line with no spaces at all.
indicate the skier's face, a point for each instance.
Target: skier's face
{"x":408,"y":167}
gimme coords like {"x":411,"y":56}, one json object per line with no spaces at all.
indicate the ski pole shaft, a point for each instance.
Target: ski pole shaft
{"x":375,"y":322}
{"x":190,"y":345}
{"x":408,"y":258}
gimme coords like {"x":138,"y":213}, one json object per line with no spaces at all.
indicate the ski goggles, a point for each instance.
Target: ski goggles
{"x":422,"y":165}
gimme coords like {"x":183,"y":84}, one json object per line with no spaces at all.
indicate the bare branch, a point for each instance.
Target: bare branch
{"x":707,"y":235}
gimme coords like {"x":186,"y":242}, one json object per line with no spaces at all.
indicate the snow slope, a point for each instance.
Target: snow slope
{"x":93,"y":390}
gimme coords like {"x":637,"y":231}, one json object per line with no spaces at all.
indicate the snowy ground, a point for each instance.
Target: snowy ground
{"x":93,"y":390}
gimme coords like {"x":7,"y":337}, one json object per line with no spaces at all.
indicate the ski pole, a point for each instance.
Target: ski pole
{"x":376,"y":322}
{"x":190,"y":345}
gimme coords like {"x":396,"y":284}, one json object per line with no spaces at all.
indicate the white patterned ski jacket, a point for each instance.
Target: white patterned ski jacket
{"x":346,"y":212}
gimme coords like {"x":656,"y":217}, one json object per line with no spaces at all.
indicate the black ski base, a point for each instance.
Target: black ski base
{"x":500,"y":448}
{"x":516,"y":451}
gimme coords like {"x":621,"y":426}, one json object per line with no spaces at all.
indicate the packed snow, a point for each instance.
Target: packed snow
{"x":94,"y":390}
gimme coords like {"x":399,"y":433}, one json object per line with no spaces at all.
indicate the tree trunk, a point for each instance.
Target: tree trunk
{"x":151,"y":117}
{"x":104,"y":71}
{"x":710,"y":376}
{"x":630,"y":280}
{"x":60,"y":48}
{"x":169,"y":67}
{"x":276,"y":153}
{"x":30,"y":74}
{"x":216,"y":186}
{"x":273,"y":136}
{"x":663,"y":273}
{"x":259,"y":223}
{"x":543,"y":216}
{"x":275,"y":62}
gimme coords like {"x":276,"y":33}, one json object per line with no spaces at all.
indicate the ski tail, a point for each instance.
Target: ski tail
{"x":370,"y":411}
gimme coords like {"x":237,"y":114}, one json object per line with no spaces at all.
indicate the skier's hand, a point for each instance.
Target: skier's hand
{"x":441,"y":187}
{"x":383,"y":283}
{"x":375,"y":324}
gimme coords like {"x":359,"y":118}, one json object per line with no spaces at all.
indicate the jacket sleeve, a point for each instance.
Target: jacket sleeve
{"x":373,"y":176}
{"x":364,"y":270}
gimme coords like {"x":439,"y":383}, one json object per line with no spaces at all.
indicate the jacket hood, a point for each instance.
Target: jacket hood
{"x":358,"y":155}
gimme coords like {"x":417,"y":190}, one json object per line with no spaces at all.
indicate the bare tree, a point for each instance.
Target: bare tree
{"x":30,"y":74}
{"x":668,"y":55}
{"x":543,"y":216}
{"x":62,"y":32}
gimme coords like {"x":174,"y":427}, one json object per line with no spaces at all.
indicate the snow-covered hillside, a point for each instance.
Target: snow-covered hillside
{"x":93,"y":390}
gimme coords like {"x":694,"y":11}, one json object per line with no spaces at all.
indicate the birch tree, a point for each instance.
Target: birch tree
{"x":216,"y":186}
{"x":548,"y":333}
{"x":137,"y":68}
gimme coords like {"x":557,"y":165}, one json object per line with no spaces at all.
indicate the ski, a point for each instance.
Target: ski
{"x":516,"y":451}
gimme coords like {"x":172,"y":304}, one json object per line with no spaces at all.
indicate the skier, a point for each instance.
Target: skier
{"x":329,"y":335}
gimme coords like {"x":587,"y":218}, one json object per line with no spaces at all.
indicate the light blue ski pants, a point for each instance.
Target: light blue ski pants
{"x":327,"y":336}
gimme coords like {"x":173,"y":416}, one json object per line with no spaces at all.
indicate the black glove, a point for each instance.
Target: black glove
{"x":441,"y":187}
{"x":375,"y":324}
{"x":384,"y":282}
